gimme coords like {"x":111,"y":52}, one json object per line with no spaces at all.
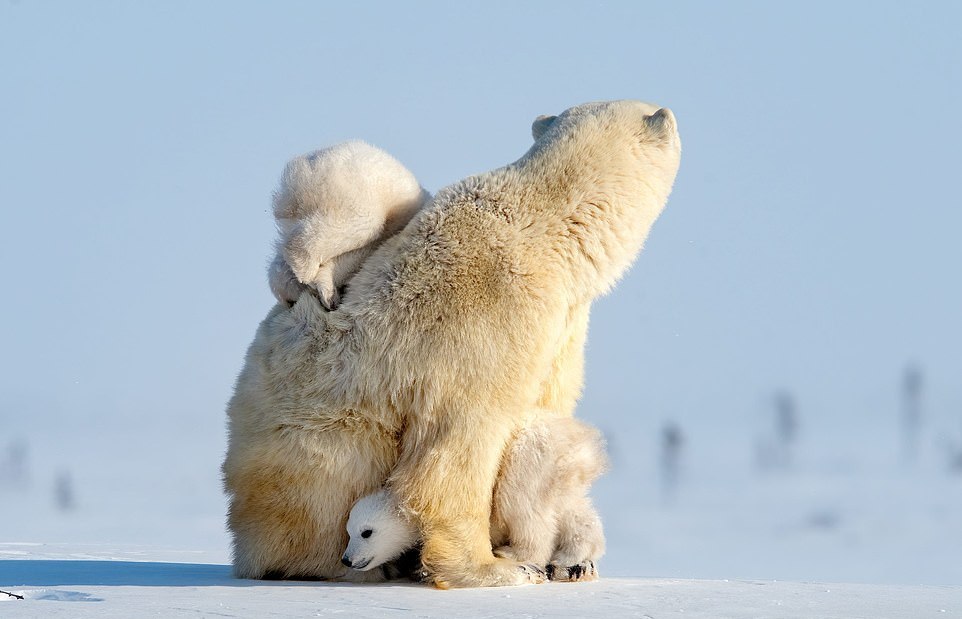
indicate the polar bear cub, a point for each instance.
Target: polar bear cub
{"x":541,"y":513}
{"x":379,"y":532}
{"x":333,"y":208}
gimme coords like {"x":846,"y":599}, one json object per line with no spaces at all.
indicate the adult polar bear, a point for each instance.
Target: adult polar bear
{"x":453,"y":334}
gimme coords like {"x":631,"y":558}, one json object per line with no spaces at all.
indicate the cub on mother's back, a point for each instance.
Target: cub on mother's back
{"x":333,"y":208}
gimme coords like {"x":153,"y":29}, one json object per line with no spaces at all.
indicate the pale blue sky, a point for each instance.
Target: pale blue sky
{"x":811,"y":242}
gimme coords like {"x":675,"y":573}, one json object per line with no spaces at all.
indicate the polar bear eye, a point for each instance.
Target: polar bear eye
{"x":366,"y":533}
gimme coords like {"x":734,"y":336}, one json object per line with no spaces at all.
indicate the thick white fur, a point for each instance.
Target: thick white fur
{"x":333,"y":207}
{"x":452,"y":333}
{"x":541,"y":513}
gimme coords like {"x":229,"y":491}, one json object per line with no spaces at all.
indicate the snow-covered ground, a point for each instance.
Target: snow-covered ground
{"x":134,"y":532}
{"x":847,"y":509}
{"x":849,"y":514}
{"x":72,"y":581}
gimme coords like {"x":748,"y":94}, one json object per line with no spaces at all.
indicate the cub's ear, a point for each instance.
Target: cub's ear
{"x":661,"y":123}
{"x":540,"y":125}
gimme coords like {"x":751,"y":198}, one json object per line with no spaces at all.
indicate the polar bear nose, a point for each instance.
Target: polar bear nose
{"x":346,"y":561}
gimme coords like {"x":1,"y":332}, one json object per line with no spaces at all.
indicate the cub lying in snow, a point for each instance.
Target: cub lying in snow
{"x":541,"y":514}
{"x":333,"y":208}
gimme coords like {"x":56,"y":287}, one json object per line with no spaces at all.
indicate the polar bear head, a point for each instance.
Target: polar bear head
{"x":604,"y":171}
{"x":379,"y":532}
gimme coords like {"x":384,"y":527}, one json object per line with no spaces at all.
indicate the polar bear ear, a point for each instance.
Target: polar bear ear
{"x":661,"y":123}
{"x":540,"y":125}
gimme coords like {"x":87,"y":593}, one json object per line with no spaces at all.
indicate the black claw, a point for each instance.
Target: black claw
{"x":575,"y":571}
{"x":549,"y":570}
{"x":533,"y":568}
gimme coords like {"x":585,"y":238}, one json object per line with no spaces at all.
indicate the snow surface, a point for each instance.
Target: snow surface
{"x":144,"y":532}
{"x":86,"y":581}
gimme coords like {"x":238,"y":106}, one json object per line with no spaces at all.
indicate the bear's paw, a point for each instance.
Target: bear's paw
{"x":580,"y":572}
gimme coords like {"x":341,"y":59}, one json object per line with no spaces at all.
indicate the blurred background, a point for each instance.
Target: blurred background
{"x":779,"y":376}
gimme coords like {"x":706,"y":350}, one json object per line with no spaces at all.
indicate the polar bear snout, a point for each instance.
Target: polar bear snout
{"x":355,"y":565}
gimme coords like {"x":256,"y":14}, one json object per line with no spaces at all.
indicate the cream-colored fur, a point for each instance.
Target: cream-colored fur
{"x":333,"y":207}
{"x":541,"y":513}
{"x":453,"y":331}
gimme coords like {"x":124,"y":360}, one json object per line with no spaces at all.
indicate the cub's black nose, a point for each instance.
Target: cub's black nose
{"x":346,"y":561}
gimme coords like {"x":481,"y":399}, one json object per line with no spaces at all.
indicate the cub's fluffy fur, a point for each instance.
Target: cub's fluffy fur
{"x":333,"y":208}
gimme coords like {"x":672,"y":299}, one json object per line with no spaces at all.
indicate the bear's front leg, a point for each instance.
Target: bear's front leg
{"x":446,"y":478}
{"x":457,"y":555}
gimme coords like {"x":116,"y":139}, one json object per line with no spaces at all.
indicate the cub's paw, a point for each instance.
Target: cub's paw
{"x":579,"y":572}
{"x":284,"y":284}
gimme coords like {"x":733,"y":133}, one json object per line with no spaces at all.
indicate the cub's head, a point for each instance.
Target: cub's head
{"x":379,"y":532}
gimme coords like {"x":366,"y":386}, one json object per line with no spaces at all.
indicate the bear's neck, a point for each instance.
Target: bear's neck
{"x":596,"y":220}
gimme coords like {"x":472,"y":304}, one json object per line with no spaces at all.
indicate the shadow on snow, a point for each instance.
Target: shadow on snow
{"x":47,"y":573}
